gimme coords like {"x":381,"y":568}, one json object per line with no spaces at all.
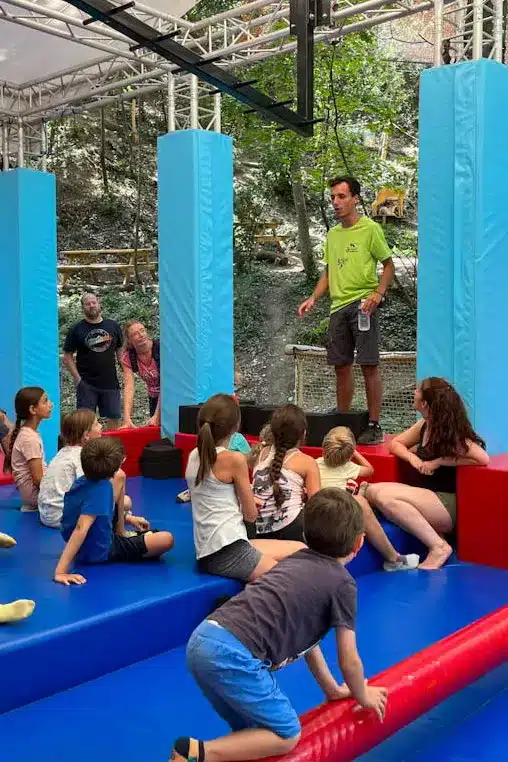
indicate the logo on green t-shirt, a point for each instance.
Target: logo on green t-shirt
{"x":352,"y":255}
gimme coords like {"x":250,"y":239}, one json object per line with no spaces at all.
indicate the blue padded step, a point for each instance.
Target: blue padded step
{"x":134,"y":714}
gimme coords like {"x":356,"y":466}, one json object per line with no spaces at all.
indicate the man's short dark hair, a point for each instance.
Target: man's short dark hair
{"x":332,"y":522}
{"x":351,"y":182}
{"x":101,"y":458}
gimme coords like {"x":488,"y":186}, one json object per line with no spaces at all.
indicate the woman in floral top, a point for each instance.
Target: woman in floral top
{"x":142,"y":356}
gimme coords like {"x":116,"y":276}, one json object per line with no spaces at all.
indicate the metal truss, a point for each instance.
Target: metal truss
{"x":242,"y":36}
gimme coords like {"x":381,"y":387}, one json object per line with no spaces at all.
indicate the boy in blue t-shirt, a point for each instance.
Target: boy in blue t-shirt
{"x":280,"y":617}
{"x":88,"y":517}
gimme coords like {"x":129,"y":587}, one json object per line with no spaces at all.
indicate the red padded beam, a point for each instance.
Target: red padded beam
{"x":334,"y":732}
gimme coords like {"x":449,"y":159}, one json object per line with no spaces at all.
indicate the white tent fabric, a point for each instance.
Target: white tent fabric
{"x":28,"y":55}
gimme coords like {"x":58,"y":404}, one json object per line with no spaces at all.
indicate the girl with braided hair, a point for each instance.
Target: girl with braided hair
{"x":25,"y":456}
{"x":284,"y":477}
{"x":222,"y":500}
{"x":442,"y":440}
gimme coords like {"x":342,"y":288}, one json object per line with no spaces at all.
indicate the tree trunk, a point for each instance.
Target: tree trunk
{"x":271,"y":256}
{"x":303,"y":227}
{"x":137,"y":219}
{"x":103,"y":154}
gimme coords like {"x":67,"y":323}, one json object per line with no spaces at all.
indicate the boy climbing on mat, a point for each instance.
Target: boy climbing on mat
{"x":282,"y":616}
{"x":88,"y":516}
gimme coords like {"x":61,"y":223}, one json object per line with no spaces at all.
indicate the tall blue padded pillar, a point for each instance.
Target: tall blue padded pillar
{"x":195,"y":195}
{"x":29,"y":336}
{"x":463,"y":238}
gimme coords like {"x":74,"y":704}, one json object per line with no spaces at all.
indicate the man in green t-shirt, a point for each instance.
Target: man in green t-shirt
{"x":353,"y":249}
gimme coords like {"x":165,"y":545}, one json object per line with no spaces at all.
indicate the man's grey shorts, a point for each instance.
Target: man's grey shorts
{"x":344,"y":338}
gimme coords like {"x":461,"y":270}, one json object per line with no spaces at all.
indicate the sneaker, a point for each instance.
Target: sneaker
{"x":372,"y":435}
{"x":405,"y":563}
{"x":183,"y":497}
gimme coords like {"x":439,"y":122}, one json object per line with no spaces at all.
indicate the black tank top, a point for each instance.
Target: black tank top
{"x":444,"y":478}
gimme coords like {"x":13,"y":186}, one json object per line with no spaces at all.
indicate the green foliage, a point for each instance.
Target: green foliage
{"x":248,"y":313}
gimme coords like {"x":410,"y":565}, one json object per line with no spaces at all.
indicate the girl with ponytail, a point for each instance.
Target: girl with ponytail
{"x":25,"y":453}
{"x":442,"y":440}
{"x":222,"y":500}
{"x":284,"y":477}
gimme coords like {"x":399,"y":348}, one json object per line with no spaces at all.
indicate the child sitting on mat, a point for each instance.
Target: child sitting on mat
{"x":25,"y":456}
{"x":78,"y":428}
{"x":233,"y":653}
{"x":284,"y":477}
{"x":88,"y":517}
{"x":341,"y":466}
{"x":218,"y":480}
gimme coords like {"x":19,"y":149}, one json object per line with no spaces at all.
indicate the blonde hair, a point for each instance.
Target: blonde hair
{"x":265,"y":440}
{"x":338,"y":446}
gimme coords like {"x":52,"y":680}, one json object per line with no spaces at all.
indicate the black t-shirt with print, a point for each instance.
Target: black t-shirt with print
{"x":95,"y":345}
{"x":288,"y":610}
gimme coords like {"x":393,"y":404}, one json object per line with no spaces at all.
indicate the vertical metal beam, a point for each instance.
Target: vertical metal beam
{"x":44,"y":147}
{"x":302,"y":25}
{"x":497,"y":53}
{"x":194,"y":102}
{"x":438,"y":32}
{"x":217,"y":112}
{"x":5,"y":147}
{"x":171,"y":103}
{"x":477,"y":29}
{"x":21,"y":143}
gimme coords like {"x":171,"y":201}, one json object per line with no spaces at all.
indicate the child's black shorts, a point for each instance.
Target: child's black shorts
{"x":128,"y":549}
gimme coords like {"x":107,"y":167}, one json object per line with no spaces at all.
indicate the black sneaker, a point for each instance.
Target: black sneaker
{"x":372,"y":435}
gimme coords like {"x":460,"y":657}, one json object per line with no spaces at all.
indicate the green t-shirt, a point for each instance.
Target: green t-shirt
{"x":352,"y":255}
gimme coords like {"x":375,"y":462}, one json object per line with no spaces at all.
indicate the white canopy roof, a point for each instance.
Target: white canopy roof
{"x":30,"y":51}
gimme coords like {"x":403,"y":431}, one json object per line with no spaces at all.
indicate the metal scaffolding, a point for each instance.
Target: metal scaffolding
{"x":109,"y":71}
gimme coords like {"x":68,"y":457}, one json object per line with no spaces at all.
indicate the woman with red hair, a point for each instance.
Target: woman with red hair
{"x":442,"y":440}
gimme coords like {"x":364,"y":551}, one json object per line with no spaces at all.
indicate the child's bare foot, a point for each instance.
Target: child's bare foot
{"x":6,"y":541}
{"x":16,"y":611}
{"x":188,"y":750}
{"x":437,"y":557}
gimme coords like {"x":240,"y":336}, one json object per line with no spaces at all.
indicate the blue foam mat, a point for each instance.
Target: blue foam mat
{"x":135,"y":713}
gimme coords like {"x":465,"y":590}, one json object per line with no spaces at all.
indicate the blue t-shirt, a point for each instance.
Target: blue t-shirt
{"x":91,"y":498}
{"x":238,"y":443}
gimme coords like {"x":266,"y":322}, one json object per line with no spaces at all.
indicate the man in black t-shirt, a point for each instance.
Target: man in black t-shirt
{"x":90,"y":352}
{"x":278,"y":618}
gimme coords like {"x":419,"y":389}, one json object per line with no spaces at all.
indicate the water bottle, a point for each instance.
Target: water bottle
{"x":363,"y":318}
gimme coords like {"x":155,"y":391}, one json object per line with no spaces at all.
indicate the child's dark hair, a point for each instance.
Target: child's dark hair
{"x":75,"y":425}
{"x":288,"y":425}
{"x":101,"y":458}
{"x":332,"y":522}
{"x":218,"y":418}
{"x":338,"y":446}
{"x":27,"y":397}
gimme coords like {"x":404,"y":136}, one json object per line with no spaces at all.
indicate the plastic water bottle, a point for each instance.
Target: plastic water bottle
{"x":363,"y":318}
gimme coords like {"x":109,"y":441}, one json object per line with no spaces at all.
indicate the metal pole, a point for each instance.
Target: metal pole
{"x":5,"y":147}
{"x":217,"y":111}
{"x":438,"y":32}
{"x":477,"y":29}
{"x":21,"y":146}
{"x":44,"y":147}
{"x":497,"y":53}
{"x":171,"y":103}
{"x":194,"y":120}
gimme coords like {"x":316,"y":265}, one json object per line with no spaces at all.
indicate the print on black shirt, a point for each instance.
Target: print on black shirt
{"x":96,"y":345}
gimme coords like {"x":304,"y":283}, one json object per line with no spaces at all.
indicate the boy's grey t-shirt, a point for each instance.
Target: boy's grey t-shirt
{"x":288,"y":610}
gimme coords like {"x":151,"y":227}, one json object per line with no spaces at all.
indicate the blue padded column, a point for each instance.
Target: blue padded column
{"x":463,"y":248}
{"x":29,"y":336}
{"x":195,"y":190}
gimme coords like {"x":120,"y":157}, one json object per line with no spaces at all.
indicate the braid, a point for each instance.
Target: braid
{"x":276,"y":466}
{"x":10,"y":447}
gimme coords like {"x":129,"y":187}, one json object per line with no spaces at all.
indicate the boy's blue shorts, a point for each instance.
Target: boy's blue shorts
{"x":240,"y":687}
